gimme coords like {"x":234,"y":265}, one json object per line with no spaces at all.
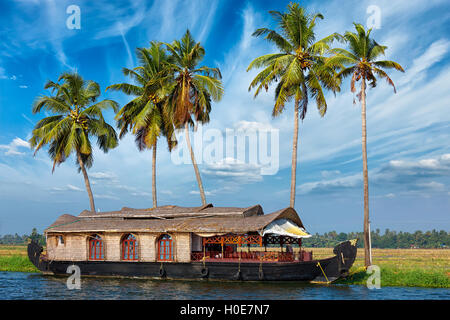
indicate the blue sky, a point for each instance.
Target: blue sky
{"x":408,"y":132}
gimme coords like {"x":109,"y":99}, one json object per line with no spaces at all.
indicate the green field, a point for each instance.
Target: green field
{"x":15,"y":258}
{"x":399,"y":267}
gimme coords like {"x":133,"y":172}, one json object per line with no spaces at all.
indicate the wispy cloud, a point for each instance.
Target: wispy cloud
{"x":435,"y":53}
{"x":233,"y":169}
{"x":404,"y":175}
{"x":68,"y":187}
{"x":12,"y":148}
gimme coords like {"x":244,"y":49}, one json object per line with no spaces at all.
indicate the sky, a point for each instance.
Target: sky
{"x":408,"y":132}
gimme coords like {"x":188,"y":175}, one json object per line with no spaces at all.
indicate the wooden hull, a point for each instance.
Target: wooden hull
{"x":333,"y":268}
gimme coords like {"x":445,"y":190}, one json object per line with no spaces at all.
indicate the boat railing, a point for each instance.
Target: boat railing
{"x":265,"y":256}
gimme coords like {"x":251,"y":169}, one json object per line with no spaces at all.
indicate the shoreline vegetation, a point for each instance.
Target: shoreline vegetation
{"x":427,"y":268}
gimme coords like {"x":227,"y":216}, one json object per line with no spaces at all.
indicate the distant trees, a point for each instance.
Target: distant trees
{"x":389,"y":240}
{"x":16,"y":239}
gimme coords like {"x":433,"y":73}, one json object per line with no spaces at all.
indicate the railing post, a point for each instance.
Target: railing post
{"x":240,"y":251}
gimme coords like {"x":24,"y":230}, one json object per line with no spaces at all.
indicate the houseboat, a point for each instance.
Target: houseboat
{"x":172,"y":242}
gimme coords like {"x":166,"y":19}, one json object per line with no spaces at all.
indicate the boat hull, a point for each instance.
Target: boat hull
{"x":328,"y":269}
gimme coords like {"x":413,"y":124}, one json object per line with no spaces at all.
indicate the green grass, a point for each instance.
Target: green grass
{"x":16,"y":263}
{"x":395,"y":277}
{"x":428,"y":268}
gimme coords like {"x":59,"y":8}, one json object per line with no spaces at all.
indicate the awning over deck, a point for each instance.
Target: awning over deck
{"x":285,"y":227}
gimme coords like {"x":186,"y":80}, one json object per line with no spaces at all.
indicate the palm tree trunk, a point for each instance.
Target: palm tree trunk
{"x":367,"y":261}
{"x":154,"y":176}
{"x":194,"y":163}
{"x":294,"y":156}
{"x":86,"y":181}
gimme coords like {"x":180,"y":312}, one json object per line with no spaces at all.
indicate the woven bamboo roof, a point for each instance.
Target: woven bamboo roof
{"x":173,"y":219}
{"x":175,"y":212}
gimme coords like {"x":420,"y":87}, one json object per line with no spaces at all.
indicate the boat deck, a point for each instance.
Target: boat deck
{"x":262,"y":256}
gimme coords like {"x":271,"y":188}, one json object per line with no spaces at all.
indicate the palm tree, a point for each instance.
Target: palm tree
{"x":299,"y":68}
{"x":190,"y":99}
{"x":145,"y":115}
{"x":76,"y":118}
{"x":360,"y":61}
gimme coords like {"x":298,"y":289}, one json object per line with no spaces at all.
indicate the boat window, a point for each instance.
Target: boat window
{"x":96,"y":248}
{"x":130,"y":247}
{"x":165,"y":248}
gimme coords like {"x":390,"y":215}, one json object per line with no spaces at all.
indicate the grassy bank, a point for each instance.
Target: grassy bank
{"x":400,"y":267}
{"x":15,"y":259}
{"x":396,"y":277}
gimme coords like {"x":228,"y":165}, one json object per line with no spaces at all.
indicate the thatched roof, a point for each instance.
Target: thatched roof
{"x":175,"y":212}
{"x":173,"y":219}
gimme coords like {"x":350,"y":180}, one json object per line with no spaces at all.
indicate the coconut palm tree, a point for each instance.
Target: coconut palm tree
{"x":189,"y":101}
{"x":77,"y":117}
{"x":145,"y":115}
{"x":360,"y":62}
{"x":299,"y":68}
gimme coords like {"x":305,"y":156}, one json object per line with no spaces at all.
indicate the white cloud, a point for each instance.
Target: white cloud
{"x":141,"y":194}
{"x":207,"y":193}
{"x":99,"y":175}
{"x":73,"y":188}
{"x":131,"y":16}
{"x":68,"y":187}
{"x":432,"y":55}
{"x":330,"y":173}
{"x":433,"y":185}
{"x":233,"y":169}
{"x":12,"y":148}
{"x":331,"y":185}
{"x":411,"y":175}
{"x":424,"y":168}
{"x":106,"y":196}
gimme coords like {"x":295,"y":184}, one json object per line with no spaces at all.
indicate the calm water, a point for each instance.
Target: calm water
{"x":17,"y":285}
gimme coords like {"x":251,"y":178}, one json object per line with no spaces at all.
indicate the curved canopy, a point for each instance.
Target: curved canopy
{"x":285,"y":227}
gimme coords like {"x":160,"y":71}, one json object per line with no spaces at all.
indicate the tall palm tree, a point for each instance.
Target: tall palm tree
{"x":360,"y":61}
{"x":190,"y":99}
{"x":77,"y":117}
{"x":299,"y":68}
{"x":145,"y":115}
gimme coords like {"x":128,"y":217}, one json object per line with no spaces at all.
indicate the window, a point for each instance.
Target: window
{"x":60,"y":240}
{"x":165,"y":248}
{"x":96,"y":248}
{"x":129,"y":247}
